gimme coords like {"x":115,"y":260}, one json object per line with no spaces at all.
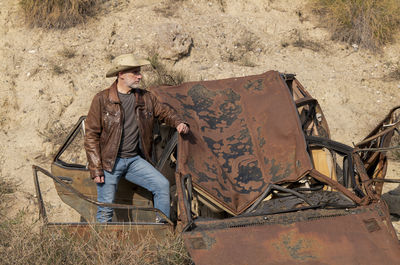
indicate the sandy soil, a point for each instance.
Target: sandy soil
{"x":43,"y":91}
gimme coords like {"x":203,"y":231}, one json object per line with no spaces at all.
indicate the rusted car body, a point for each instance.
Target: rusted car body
{"x":257,"y":180}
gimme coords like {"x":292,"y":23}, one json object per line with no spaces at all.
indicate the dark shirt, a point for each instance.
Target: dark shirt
{"x":130,"y":132}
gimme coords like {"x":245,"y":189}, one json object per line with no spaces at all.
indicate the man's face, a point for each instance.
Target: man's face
{"x":131,"y":77}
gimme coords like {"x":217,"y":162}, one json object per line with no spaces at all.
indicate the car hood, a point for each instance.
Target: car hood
{"x":245,"y":133}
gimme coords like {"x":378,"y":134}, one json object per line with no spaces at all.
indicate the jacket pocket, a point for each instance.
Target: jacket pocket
{"x":110,"y":119}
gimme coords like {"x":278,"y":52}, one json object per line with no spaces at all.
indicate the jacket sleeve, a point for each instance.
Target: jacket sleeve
{"x":93,"y":129}
{"x":164,"y":112}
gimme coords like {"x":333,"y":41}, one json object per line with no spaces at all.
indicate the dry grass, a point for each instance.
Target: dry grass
{"x":248,"y":42}
{"x":243,"y":45}
{"x":109,"y":57}
{"x":6,"y":187}
{"x":395,"y":154}
{"x":368,"y":23}
{"x":67,"y":53}
{"x":300,"y":42}
{"x":222,"y":5}
{"x":160,"y":74}
{"x":7,"y":106}
{"x":19,"y":244}
{"x":58,"y":14}
{"x":296,"y":39}
{"x":55,"y":132}
{"x":168,"y":8}
{"x":57,"y":69}
{"x":246,"y":61}
{"x":395,"y":73}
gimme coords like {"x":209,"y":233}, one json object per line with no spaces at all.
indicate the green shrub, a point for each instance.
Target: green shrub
{"x":57,"y":13}
{"x":368,"y":23}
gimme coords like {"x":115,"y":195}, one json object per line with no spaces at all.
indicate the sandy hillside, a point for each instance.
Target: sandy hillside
{"x":49,"y":77}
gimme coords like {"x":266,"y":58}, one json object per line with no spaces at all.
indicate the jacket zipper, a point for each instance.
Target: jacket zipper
{"x":120,"y":134}
{"x":141,"y":147}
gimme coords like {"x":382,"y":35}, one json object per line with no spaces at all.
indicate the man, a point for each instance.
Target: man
{"x":119,"y":137}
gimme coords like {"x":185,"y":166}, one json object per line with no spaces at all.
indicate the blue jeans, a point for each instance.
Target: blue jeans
{"x":136,"y":170}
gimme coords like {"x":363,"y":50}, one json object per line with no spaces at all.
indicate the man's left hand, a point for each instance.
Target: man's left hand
{"x":182,"y":128}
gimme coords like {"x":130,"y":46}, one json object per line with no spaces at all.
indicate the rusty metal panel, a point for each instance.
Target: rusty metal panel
{"x":245,"y":134}
{"x":79,"y":179}
{"x":130,"y":213}
{"x":316,"y":124}
{"x":128,"y":193}
{"x":375,"y":161}
{"x":357,"y":236}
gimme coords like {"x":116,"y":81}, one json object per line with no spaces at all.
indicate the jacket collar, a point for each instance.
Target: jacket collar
{"x":113,"y":93}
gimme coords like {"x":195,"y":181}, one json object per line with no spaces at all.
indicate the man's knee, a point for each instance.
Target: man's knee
{"x":164,"y":184}
{"x":161,"y":185}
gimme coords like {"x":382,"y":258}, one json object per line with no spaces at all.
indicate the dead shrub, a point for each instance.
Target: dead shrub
{"x":395,"y":73}
{"x":10,"y":103}
{"x":248,"y":42}
{"x":368,"y":23}
{"x":58,"y":14}
{"x":6,"y":187}
{"x":284,"y":44}
{"x":297,"y":39}
{"x":395,"y":153}
{"x":246,"y":61}
{"x":67,"y":53}
{"x":57,"y":69}
{"x":222,"y":5}
{"x":55,"y":132}
{"x":159,"y":74}
{"x":109,"y":57}
{"x":169,"y":8}
{"x":245,"y":44}
{"x":300,"y":42}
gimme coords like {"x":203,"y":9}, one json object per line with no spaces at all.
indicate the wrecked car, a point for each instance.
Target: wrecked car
{"x":256,"y":181}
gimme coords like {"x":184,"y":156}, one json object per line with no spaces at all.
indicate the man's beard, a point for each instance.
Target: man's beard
{"x":135,"y":86}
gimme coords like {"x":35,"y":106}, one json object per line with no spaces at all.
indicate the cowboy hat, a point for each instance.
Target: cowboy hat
{"x":125,"y":62}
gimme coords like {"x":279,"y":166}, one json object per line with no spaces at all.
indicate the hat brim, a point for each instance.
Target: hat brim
{"x":119,"y":68}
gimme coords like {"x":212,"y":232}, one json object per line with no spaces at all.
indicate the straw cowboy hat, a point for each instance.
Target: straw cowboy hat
{"x":125,"y":62}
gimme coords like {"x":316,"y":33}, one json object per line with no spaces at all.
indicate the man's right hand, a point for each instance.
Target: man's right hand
{"x":99,"y":179}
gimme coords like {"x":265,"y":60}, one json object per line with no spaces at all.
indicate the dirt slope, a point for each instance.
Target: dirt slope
{"x":49,"y":77}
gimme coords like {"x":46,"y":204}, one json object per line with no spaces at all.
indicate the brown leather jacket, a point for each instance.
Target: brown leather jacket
{"x":104,"y":126}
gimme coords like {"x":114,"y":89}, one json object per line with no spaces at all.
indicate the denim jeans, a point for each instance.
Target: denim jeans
{"x":136,"y":170}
